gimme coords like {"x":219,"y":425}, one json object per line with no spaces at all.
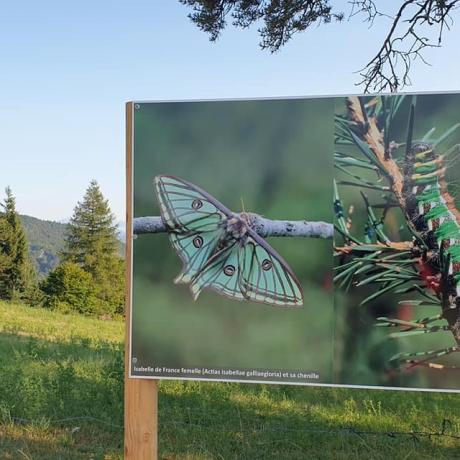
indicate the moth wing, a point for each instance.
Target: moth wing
{"x":265,"y":276}
{"x":186,"y":208}
{"x":193,"y":218}
{"x":194,"y":250}
{"x":221,"y":274}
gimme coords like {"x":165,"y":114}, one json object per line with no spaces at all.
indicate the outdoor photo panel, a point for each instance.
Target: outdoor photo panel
{"x":223,"y":289}
{"x":269,"y":157}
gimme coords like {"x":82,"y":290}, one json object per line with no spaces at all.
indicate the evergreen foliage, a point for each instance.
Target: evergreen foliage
{"x":91,"y":232}
{"x":91,"y":243}
{"x":46,"y":242}
{"x":17,"y":274}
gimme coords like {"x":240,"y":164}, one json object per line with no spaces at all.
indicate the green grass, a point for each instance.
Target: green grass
{"x":58,"y":373}
{"x":61,"y":398}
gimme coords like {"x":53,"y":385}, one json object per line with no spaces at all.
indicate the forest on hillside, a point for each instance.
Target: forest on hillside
{"x":73,"y":267}
{"x":46,"y":241}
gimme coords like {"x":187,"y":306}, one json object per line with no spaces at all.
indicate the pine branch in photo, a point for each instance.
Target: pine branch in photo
{"x":409,"y":175}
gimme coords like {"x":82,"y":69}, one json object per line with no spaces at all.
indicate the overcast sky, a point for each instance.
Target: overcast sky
{"x":67,"y":68}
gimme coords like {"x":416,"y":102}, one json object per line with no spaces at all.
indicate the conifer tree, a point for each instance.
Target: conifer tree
{"x":92,"y":243}
{"x":5,"y":256}
{"x":17,"y":274}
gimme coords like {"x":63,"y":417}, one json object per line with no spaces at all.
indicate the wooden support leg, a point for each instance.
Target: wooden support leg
{"x":141,"y":419}
{"x":141,"y":396}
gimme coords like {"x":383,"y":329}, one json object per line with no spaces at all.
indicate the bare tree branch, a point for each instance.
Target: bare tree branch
{"x":262,"y":226}
{"x":389,"y":68}
{"x":413,"y":28}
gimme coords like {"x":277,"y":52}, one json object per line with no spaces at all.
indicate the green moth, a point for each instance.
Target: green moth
{"x":220,"y":250}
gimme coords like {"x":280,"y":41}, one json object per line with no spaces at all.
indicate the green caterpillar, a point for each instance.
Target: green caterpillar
{"x":430,"y":209}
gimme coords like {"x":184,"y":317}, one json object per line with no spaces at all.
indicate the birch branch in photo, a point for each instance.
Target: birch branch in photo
{"x":262,"y":226}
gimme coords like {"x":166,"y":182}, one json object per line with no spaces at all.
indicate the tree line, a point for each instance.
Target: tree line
{"x":90,"y":276}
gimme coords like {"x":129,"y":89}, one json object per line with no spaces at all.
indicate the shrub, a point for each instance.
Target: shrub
{"x":69,"y":288}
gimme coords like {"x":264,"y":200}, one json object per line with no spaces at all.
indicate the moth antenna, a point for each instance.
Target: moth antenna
{"x":242,"y":204}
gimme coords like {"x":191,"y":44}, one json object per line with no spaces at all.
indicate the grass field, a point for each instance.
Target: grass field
{"x":61,"y":398}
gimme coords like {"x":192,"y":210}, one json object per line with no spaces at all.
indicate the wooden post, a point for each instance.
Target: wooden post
{"x":141,"y":396}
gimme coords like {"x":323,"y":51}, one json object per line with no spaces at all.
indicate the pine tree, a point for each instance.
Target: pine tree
{"x":91,"y":242}
{"x":5,"y":256}
{"x":17,"y":273}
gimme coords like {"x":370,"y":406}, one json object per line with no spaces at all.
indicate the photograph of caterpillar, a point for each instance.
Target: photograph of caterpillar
{"x":397,"y":238}
{"x":432,"y":212}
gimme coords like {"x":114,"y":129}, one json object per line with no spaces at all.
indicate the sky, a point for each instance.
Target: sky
{"x":68,"y":68}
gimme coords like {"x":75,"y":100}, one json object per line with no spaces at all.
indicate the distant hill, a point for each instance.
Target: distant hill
{"x":46,"y":240}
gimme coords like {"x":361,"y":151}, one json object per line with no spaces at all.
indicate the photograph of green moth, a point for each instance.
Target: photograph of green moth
{"x":220,"y":250}
{"x":226,"y":287}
